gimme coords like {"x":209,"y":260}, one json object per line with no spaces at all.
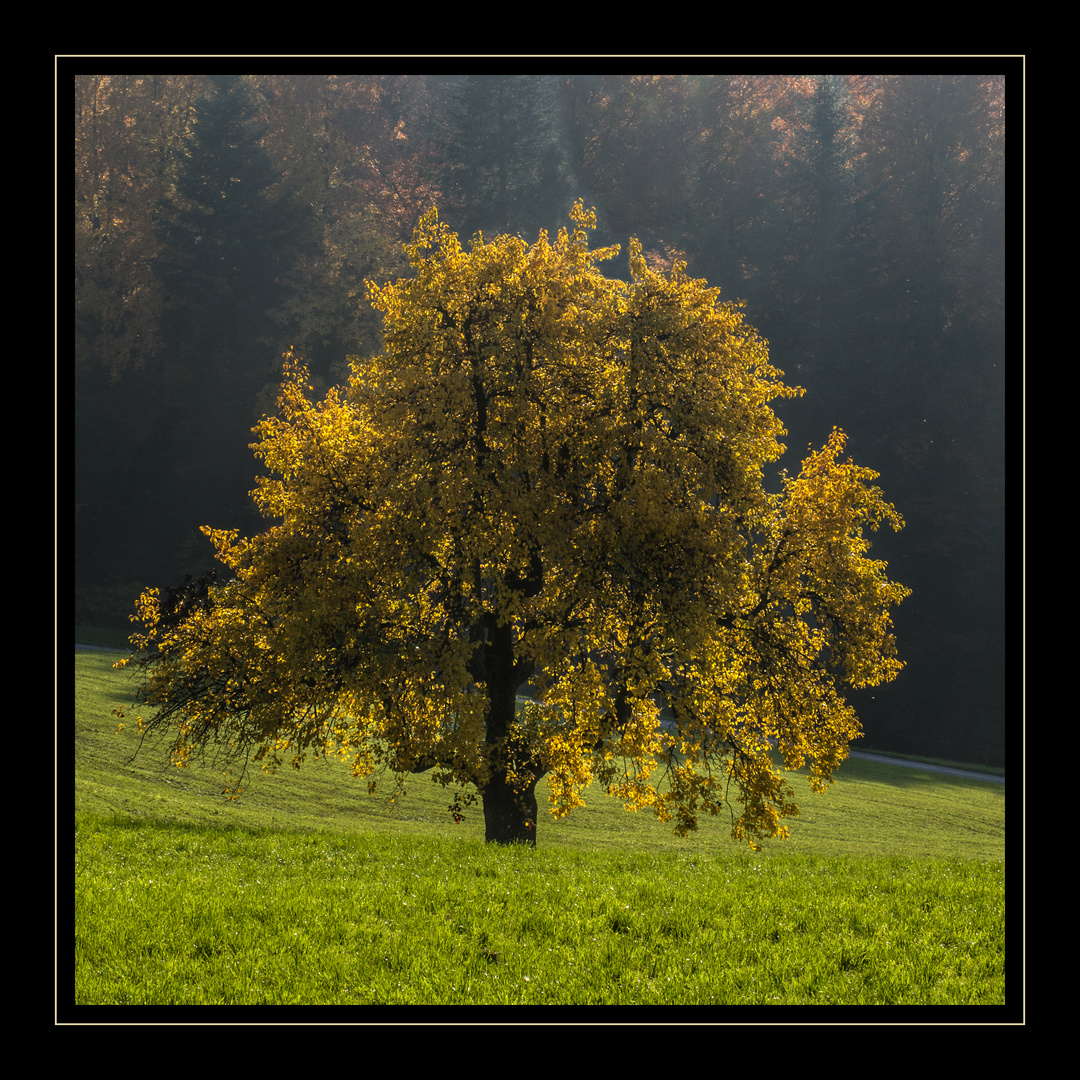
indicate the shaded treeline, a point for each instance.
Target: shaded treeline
{"x":220,"y":220}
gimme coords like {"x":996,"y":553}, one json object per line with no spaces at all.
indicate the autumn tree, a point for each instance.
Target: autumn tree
{"x":125,"y":125}
{"x":549,"y":481}
{"x":355,"y":151}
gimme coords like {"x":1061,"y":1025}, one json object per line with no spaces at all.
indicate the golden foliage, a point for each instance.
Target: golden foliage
{"x":547,"y":476}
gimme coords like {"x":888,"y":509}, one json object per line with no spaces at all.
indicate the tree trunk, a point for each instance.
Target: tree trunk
{"x":509,"y":815}
{"x":509,"y":807}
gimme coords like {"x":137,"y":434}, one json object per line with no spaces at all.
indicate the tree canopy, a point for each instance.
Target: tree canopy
{"x":533,"y":537}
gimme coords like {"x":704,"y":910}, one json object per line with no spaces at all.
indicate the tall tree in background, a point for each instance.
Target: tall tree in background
{"x":126,"y":129}
{"x":632,"y":137}
{"x":228,"y":244}
{"x":936,"y":147}
{"x":826,"y":190}
{"x":229,"y":241}
{"x":823,"y":233}
{"x":733,"y":180}
{"x":506,"y":163}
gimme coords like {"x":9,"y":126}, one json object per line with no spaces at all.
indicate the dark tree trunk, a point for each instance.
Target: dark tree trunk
{"x":509,"y":805}
{"x":509,"y":815}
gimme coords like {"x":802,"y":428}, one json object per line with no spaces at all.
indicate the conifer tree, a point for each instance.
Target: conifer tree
{"x":229,"y":238}
{"x":507,"y":169}
{"x":229,"y":242}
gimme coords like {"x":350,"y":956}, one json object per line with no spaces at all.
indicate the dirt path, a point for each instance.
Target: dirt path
{"x":988,"y":777}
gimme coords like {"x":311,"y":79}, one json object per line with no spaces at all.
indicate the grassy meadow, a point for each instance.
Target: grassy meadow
{"x":309,"y":891}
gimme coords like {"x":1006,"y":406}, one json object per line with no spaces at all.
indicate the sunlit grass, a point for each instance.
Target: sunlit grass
{"x":309,"y":891}
{"x":169,"y":914}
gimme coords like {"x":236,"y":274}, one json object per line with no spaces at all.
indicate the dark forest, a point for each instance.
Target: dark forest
{"x":222,"y":220}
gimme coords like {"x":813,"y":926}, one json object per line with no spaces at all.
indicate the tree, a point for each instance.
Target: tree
{"x":231,"y":236}
{"x":733,"y":184}
{"x":125,"y":125}
{"x":231,"y":240}
{"x":548,"y":478}
{"x":631,"y":137}
{"x":824,"y":260}
{"x":506,"y":164}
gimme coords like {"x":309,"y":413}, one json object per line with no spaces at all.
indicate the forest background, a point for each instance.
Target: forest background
{"x":221,"y":220}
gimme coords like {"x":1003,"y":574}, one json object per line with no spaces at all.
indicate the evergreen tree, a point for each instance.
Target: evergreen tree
{"x":824,"y":195}
{"x":826,"y":262}
{"x":507,"y":165}
{"x":228,"y":242}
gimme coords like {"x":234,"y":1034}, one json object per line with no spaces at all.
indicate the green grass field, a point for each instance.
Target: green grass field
{"x":309,"y":891}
